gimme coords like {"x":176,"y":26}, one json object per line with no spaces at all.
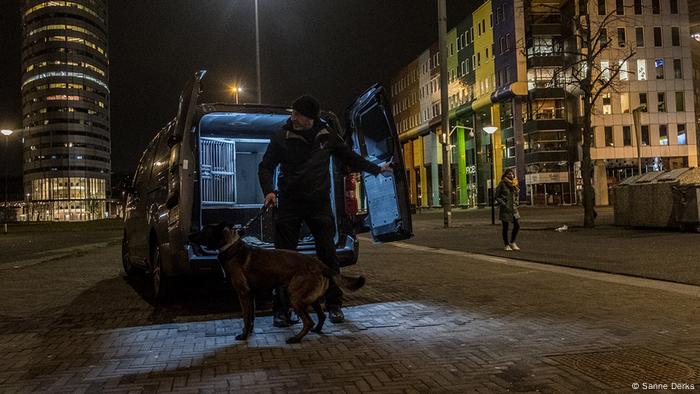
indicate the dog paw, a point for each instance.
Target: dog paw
{"x":317,"y":330}
{"x":293,"y":340}
{"x":241,"y":337}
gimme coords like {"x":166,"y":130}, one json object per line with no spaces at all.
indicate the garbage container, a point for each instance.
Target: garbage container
{"x":659,"y":199}
{"x":621,"y":201}
{"x":685,"y":206}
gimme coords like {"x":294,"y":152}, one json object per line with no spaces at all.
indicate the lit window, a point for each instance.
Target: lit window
{"x":659,"y":63}
{"x":607,"y":105}
{"x":69,"y":4}
{"x":624,"y":73}
{"x":605,"y":69}
{"x":682,"y":137}
{"x":624,"y":103}
{"x":663,"y":134}
{"x":641,"y":69}
{"x":68,"y":74}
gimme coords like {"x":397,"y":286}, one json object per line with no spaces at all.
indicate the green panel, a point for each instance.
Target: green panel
{"x":461,"y":167}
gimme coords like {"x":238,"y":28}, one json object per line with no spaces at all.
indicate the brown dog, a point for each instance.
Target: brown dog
{"x":251,"y":269}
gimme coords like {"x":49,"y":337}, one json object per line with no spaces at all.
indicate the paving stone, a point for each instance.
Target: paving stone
{"x":424,"y":322}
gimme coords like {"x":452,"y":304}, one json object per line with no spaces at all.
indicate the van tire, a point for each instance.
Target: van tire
{"x":129,"y":268}
{"x":161,"y":283}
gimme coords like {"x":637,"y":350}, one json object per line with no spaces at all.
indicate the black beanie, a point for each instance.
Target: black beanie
{"x":307,"y":106}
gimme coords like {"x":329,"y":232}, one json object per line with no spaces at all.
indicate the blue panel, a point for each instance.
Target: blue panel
{"x":375,"y":138}
{"x":384,"y":216}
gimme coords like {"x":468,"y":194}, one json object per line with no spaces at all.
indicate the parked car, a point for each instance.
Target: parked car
{"x":202,"y":168}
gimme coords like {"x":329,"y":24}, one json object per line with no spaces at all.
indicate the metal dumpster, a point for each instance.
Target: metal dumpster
{"x":659,"y":199}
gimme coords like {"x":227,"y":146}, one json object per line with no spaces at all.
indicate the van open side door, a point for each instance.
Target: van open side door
{"x":374,"y":137}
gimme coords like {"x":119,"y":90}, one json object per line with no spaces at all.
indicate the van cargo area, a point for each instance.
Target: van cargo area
{"x":229,"y":155}
{"x":229,"y":186}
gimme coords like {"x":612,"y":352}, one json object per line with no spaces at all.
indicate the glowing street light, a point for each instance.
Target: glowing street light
{"x":235,"y":90}
{"x":490,"y":130}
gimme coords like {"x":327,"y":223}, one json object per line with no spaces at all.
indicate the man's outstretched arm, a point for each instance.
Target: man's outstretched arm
{"x":357,"y":162}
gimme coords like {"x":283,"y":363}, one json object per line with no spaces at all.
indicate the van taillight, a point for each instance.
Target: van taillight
{"x":351,"y":207}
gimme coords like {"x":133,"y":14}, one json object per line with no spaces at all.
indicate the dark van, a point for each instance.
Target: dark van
{"x":202,"y":168}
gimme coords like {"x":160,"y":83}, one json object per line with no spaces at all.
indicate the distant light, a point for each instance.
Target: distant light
{"x":65,"y":74}
{"x":6,"y":132}
{"x":696,"y":36}
{"x":490,"y":129}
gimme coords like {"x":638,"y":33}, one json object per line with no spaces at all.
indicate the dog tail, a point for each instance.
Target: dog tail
{"x":348,"y":282}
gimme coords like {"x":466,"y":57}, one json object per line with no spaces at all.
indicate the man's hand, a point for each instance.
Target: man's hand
{"x":387,"y":169}
{"x":270,"y":199}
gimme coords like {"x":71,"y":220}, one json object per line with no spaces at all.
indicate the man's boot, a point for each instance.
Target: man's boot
{"x":280,"y":307}
{"x":335,"y":314}
{"x":281,"y":319}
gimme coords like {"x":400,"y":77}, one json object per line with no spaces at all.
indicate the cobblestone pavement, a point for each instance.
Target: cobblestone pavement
{"x":425,"y":322}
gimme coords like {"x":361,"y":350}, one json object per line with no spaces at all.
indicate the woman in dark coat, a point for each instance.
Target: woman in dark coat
{"x":506,"y":197}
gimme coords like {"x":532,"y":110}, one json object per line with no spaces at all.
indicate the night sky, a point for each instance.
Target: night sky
{"x":332,"y":49}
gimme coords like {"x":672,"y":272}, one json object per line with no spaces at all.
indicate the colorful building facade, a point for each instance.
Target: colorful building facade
{"x":505,"y":62}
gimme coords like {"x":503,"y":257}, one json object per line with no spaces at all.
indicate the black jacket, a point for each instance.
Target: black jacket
{"x":304,"y":164}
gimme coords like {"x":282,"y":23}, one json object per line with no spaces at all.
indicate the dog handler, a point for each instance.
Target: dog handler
{"x":303,"y":149}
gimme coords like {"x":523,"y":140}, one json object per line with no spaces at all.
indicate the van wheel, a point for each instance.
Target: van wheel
{"x":129,"y":268}
{"x":161,"y":283}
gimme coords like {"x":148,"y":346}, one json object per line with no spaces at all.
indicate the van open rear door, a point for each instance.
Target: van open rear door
{"x":181,"y":168}
{"x":374,"y":137}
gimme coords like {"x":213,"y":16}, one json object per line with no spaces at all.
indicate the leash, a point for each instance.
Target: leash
{"x":260,"y":213}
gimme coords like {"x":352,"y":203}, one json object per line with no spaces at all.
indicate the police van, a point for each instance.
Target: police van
{"x":202,"y":168}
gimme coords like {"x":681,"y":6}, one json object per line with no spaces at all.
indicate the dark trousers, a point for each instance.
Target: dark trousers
{"x":516,"y":227}
{"x":319,"y":217}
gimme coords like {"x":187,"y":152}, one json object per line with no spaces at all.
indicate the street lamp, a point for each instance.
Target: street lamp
{"x":235,"y":90}
{"x":7,"y":133}
{"x":257,"y":52}
{"x":490,"y":130}
{"x":636,"y":114}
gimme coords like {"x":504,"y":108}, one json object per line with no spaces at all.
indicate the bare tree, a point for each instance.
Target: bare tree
{"x":591,"y":78}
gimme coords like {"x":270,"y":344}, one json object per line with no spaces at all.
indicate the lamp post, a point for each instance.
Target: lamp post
{"x":7,"y":133}
{"x":257,"y":52}
{"x":445,"y":115}
{"x":636,"y":114}
{"x":490,"y":130}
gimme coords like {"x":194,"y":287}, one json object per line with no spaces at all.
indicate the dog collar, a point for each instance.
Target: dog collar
{"x":232,"y":250}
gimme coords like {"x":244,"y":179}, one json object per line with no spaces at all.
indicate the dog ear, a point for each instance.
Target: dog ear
{"x":227,"y":232}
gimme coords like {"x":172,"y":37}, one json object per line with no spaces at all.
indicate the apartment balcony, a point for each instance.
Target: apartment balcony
{"x":544,"y":59}
{"x":546,"y":90}
{"x":546,"y":24}
{"x":545,"y":124}
{"x":546,"y":156}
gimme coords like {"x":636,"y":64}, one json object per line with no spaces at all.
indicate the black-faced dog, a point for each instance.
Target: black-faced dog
{"x":251,"y":269}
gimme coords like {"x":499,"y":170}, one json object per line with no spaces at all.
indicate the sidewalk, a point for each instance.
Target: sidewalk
{"x":648,"y":253}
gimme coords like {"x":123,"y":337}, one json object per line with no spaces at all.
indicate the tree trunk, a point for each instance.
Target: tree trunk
{"x":587,"y":164}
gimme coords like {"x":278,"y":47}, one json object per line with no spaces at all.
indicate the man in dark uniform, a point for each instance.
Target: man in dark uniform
{"x":303,"y":149}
